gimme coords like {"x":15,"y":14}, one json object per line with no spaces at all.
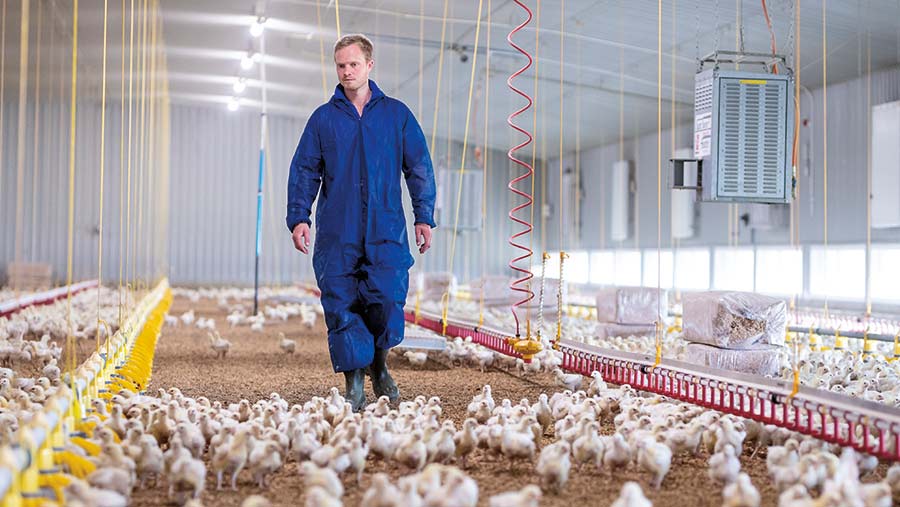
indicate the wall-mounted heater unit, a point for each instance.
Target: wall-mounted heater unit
{"x":743,"y":132}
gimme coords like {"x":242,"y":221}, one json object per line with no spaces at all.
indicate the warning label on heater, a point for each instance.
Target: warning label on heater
{"x":702,"y":135}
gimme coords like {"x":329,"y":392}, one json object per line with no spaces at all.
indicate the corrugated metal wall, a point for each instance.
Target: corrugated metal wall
{"x":42,"y":205}
{"x":847,"y":151}
{"x":213,"y":211}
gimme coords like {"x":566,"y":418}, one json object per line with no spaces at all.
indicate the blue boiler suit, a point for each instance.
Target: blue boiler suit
{"x":361,"y":256}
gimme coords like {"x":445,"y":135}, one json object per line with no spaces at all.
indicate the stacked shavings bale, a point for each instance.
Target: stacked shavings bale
{"x":610,"y":330}
{"x":737,"y":331}
{"x":551,"y":293}
{"x":634,"y":306}
{"x":29,"y":275}
{"x":494,"y":289}
{"x":433,"y":285}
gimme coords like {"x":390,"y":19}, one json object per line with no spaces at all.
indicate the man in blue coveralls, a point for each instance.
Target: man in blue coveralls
{"x":355,"y":148}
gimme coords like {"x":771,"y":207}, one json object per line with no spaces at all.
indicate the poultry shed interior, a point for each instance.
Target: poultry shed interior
{"x":632,"y":253}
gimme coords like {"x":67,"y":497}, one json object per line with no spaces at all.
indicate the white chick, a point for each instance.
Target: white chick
{"x":617,"y":452}
{"x":264,"y":459}
{"x":441,"y":447}
{"x":459,"y":491}
{"x":188,"y":476}
{"x":876,"y":494}
{"x":381,"y":493}
{"x":256,"y":501}
{"x":358,"y":453}
{"x":741,"y":493}
{"x":412,"y":452}
{"x":529,"y":496}
{"x":553,"y":465}
{"x":416,"y":358}
{"x":318,"y":497}
{"x":598,"y":385}
{"x":465,"y":440}
{"x":80,"y":491}
{"x":114,"y":479}
{"x":656,"y":458}
{"x":187,"y":317}
{"x":218,"y":344}
{"x":324,"y":478}
{"x":150,"y":463}
{"x":632,"y":496}
{"x":528,"y":368}
{"x":287,"y":346}
{"x":571,"y":381}
{"x":588,"y":447}
{"x":484,"y":358}
{"x":516,"y":446}
{"x":724,"y":466}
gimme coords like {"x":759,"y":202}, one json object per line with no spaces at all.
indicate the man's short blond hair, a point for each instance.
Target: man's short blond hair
{"x":356,"y":38}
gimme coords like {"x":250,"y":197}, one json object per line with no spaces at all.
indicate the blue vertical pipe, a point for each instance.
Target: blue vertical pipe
{"x":262,"y":165}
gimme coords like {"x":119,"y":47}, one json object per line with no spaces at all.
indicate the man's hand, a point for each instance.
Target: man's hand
{"x":423,"y":237}
{"x":301,"y":237}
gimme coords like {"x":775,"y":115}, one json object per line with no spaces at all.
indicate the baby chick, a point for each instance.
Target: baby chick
{"x":287,"y":346}
{"x":324,"y":478}
{"x":654,"y":457}
{"x":553,"y":465}
{"x":632,"y":496}
{"x":741,"y":493}
{"x":218,"y":344}
{"x":724,"y":466}
{"x":381,"y":494}
{"x":264,"y":459}
{"x":529,"y":496}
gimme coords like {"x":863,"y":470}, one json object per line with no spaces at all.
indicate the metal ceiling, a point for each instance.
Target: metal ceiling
{"x":609,"y":54}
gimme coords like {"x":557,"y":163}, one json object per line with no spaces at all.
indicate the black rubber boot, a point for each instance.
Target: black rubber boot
{"x":382,"y":383}
{"x":355,"y":392}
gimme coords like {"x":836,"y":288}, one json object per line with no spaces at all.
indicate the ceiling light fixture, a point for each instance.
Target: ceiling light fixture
{"x":233,"y":104}
{"x":240,"y":85}
{"x":247,"y":62}
{"x":256,"y":29}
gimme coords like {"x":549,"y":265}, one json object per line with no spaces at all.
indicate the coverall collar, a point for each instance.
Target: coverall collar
{"x":341,"y":101}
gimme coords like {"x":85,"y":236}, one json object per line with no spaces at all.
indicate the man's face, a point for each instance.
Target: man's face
{"x":352,"y":68}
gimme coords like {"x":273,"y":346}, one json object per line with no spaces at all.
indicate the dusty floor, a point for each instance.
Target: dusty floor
{"x":255,"y":367}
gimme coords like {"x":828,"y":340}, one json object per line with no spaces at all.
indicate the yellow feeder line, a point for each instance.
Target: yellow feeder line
{"x":142,"y":329}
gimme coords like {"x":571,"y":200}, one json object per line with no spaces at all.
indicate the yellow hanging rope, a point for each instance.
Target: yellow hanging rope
{"x":337,"y":17}
{"x":129,"y":275}
{"x":465,"y":149}
{"x":562,"y":253}
{"x":121,"y":171}
{"x":487,"y":158}
{"x":825,"y":142}
{"x":70,"y":336}
{"x":437,"y":92}
{"x":20,"y":141}
{"x":868,"y":174}
{"x":2,"y":78}
{"x":534,"y":100}
{"x":437,"y":105}
{"x":321,"y":50}
{"x":102,"y":168}
{"x":35,"y":157}
{"x":659,"y":323}
{"x":140,"y":236}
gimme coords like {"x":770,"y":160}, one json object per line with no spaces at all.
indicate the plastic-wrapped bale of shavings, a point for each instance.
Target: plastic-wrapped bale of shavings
{"x":765,"y":360}
{"x":632,"y":305}
{"x":734,"y":320}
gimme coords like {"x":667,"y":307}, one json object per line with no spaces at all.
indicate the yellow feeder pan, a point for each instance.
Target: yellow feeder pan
{"x":815,"y":341}
{"x":840,"y":342}
{"x":526,"y":347}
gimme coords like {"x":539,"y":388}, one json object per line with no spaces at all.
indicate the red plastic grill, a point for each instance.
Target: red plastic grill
{"x":868,"y":427}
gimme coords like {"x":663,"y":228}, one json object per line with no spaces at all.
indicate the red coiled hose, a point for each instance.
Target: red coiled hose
{"x":526,"y":252}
